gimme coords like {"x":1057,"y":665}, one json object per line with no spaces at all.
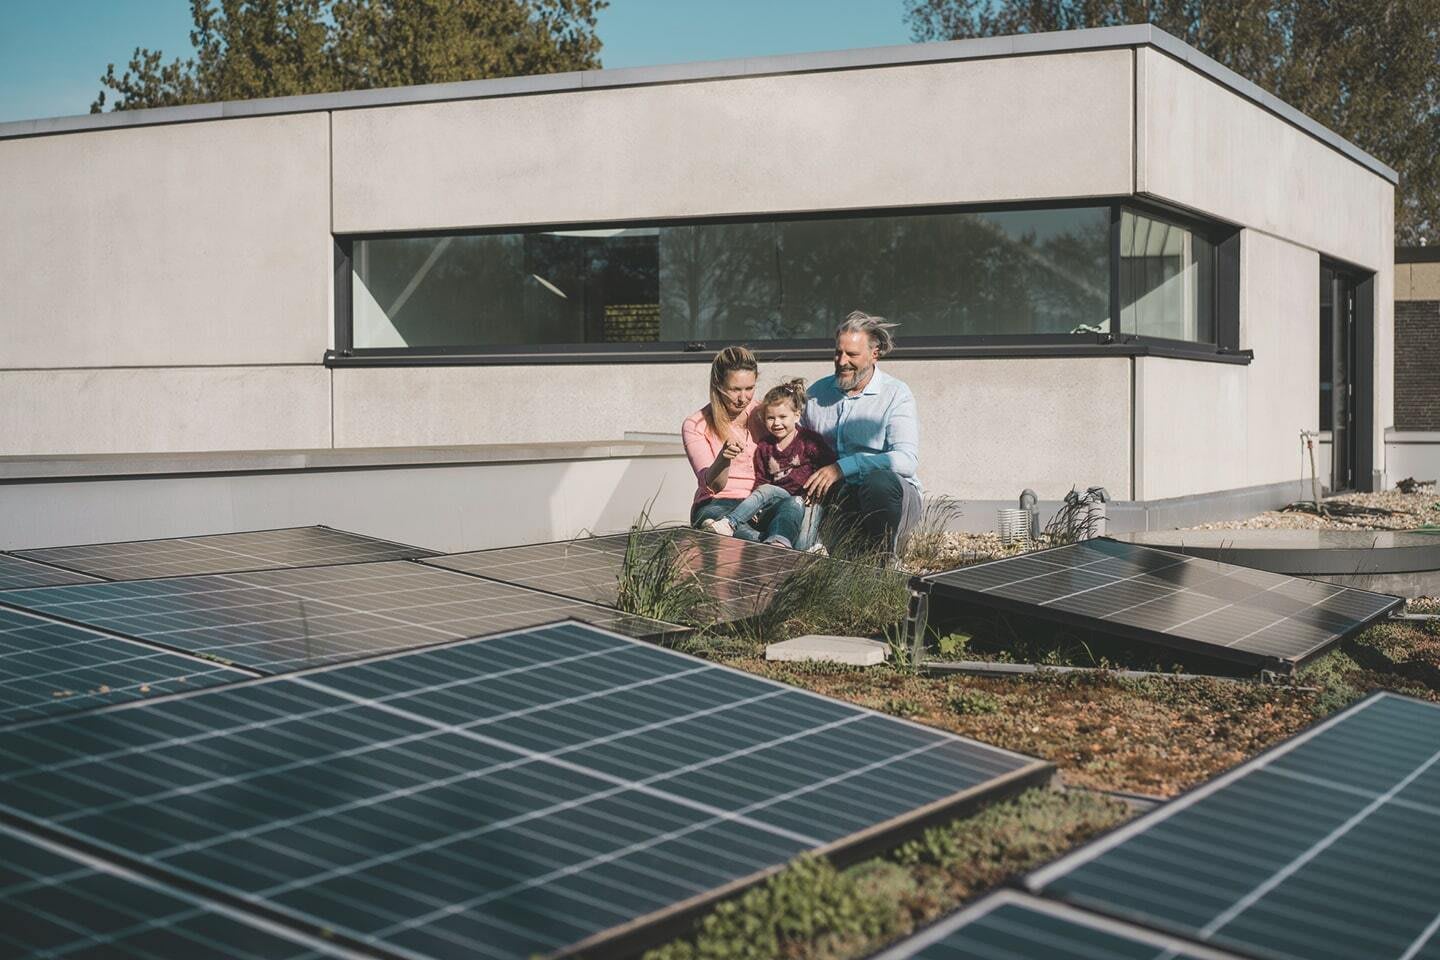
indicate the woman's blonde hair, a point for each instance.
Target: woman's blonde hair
{"x":791,"y":392}
{"x":727,"y":361}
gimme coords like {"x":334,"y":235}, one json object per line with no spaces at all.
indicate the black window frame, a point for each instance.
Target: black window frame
{"x":1112,"y":343}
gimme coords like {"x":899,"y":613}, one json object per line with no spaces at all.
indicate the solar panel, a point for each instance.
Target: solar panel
{"x":223,"y":553}
{"x":738,"y":577}
{"x":59,"y":903}
{"x":1189,"y":603}
{"x":1012,"y":926}
{"x":278,"y":620}
{"x":1326,"y":847}
{"x":18,"y":572}
{"x":48,"y":667}
{"x":534,"y":792}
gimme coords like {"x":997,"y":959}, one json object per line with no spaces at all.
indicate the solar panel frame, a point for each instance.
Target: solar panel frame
{"x":599,"y":558}
{"x":18,"y":573}
{"x":939,"y":586}
{"x":1047,"y":881}
{"x":172,"y":924}
{"x":1018,"y":772}
{"x":300,"y":617}
{"x":979,"y":924}
{"x":147,"y":559}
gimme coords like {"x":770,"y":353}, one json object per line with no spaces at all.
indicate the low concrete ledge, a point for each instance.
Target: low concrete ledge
{"x":79,"y":467}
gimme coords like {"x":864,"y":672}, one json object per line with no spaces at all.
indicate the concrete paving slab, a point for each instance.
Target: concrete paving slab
{"x":855,"y":651}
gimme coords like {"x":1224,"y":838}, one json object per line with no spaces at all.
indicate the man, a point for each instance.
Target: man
{"x":869,"y":417}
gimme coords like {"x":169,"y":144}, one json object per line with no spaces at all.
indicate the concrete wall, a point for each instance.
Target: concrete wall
{"x":444,"y":508}
{"x":1003,"y":129}
{"x":989,"y":428}
{"x":1202,"y":147}
{"x":165,"y":409}
{"x":167,"y":246}
{"x":1205,"y":148}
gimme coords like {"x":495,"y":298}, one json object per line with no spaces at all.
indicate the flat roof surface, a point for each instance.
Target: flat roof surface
{"x":1100,"y":38}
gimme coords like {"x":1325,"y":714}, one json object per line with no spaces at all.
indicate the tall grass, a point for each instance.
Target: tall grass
{"x":656,"y":580}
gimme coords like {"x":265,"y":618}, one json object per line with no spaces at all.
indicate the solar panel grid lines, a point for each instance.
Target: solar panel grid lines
{"x":1008,"y":925}
{"x":47,"y":667}
{"x":488,"y":797}
{"x":738,"y":576}
{"x":1325,"y":847}
{"x":277,"y":620}
{"x":57,"y":902}
{"x":1154,"y":596}
{"x":289,"y":547}
{"x":17,"y":572}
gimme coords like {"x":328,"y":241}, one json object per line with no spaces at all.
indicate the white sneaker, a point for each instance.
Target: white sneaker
{"x":721,"y":526}
{"x":818,"y":549}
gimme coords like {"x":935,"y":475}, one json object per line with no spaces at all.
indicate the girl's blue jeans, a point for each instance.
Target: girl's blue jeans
{"x":791,"y":522}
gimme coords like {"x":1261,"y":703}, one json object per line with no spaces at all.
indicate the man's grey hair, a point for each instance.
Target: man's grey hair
{"x":876,"y":328}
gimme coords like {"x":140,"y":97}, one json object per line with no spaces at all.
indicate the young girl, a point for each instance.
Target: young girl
{"x":783,"y":462}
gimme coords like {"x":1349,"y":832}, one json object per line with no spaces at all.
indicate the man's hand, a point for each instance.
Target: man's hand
{"x":821,"y":481}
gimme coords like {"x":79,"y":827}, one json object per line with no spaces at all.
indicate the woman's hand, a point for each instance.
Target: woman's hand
{"x":732,"y":449}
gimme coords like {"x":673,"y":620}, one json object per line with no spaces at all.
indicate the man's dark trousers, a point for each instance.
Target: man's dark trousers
{"x":882,"y":504}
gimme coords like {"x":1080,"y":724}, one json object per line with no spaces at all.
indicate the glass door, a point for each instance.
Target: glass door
{"x":1337,"y":373}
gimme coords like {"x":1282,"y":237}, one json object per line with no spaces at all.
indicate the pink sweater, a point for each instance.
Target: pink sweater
{"x":702,"y":447}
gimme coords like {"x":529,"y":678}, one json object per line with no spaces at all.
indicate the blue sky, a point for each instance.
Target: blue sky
{"x":52,"y":52}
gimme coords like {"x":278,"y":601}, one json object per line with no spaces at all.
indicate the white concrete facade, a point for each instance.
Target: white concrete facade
{"x":167,"y":286}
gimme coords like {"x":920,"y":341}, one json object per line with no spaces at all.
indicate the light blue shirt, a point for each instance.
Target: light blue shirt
{"x":877,"y":429}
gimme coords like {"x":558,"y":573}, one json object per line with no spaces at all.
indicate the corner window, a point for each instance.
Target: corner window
{"x":1167,"y":280}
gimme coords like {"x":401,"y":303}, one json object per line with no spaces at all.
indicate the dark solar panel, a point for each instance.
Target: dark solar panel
{"x":1190,"y":603}
{"x":738,"y":577}
{"x":18,"y":572}
{"x":56,"y":903}
{"x":1013,"y":926}
{"x":1326,"y":848}
{"x":48,"y":667}
{"x":500,"y":797}
{"x":277,"y":620}
{"x":223,"y":553}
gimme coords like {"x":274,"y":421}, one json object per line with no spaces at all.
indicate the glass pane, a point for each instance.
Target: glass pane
{"x":960,"y":274}
{"x":1327,"y":348}
{"x":1167,"y":280}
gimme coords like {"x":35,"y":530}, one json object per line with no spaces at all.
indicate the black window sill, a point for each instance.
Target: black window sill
{"x":614,"y":353}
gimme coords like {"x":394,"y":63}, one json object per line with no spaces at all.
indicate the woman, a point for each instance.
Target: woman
{"x":720,"y":439}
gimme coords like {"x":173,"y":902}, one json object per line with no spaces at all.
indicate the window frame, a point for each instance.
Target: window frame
{"x":1113,"y":343}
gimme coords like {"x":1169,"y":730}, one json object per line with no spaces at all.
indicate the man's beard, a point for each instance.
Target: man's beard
{"x":849,"y":379}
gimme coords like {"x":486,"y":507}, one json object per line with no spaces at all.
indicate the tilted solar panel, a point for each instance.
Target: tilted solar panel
{"x":16,"y":572}
{"x":535,"y":792}
{"x":223,"y":553}
{"x":1327,"y":847}
{"x":48,"y":667}
{"x":277,"y":620}
{"x":58,"y":903}
{"x":1012,"y":926}
{"x":1189,"y":603}
{"x":738,"y":578}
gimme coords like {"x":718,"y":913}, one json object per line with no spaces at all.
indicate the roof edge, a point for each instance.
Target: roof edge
{"x":1069,"y":41}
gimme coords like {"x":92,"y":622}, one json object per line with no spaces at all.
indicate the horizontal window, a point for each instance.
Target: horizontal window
{"x":944,"y":276}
